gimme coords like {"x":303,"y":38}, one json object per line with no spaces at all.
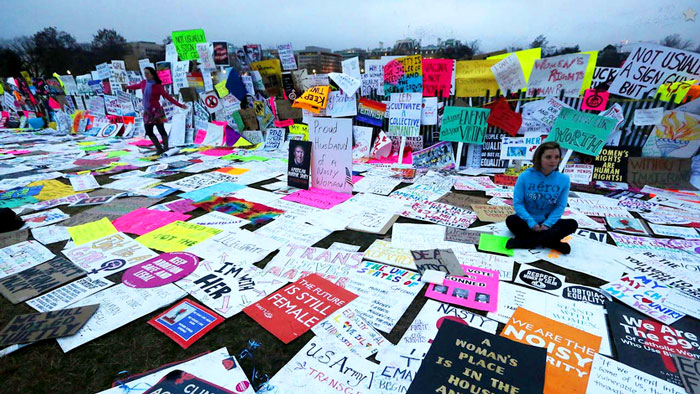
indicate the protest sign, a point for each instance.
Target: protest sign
{"x":581,"y":132}
{"x":647,"y":345}
{"x":35,"y":327}
{"x":561,"y":341}
{"x":256,"y":213}
{"x":228,"y":287}
{"x":673,"y":231}
{"x":39,"y":279}
{"x":611,"y":164}
{"x":644,"y":294}
{"x":351,"y":67}
{"x":503,"y":117}
{"x":540,"y":279}
{"x":603,"y":75}
{"x":186,"y":41}
{"x":594,"y":100}
{"x":579,"y":173}
{"x":362,"y":137}
{"x":143,"y":220}
{"x":181,"y":382}
{"x":420,"y":334}
{"x":371,"y":112}
{"x":554,"y":74}
{"x":301,"y":305}
{"x":249,"y":247}
{"x":44,"y":218}
{"x":21,"y":256}
{"x":205,"y":57}
{"x":473,"y":78}
{"x":327,"y":367}
{"x":660,"y":172}
{"x":50,"y":234}
{"x":688,"y":372}
{"x":437,"y":260}
{"x":104,"y":256}
{"x":581,"y":293}
{"x":91,"y":231}
{"x":273,"y":138}
{"x":295,"y":262}
{"x":186,"y":322}
{"x":444,"y":214}
{"x":609,"y":376}
{"x":650,"y":65}
{"x":176,"y":236}
{"x":68,"y":294}
{"x":314,"y":99}
{"x":161,"y":270}
{"x":466,"y":358}
{"x":341,"y":105}
{"x":438,"y":75}
{"x":350,"y":329}
{"x":477,"y":289}
{"x":461,"y":124}
{"x":318,"y":198}
{"x":286,"y":55}
{"x":677,"y":135}
{"x":383,"y":252}
{"x":405,"y":114}
{"x":626,"y":225}
{"x":509,"y":74}
{"x":438,"y":156}
{"x":220,"y":53}
{"x":404,"y":75}
{"x":119,"y":305}
{"x":492,"y":213}
{"x":331,"y":165}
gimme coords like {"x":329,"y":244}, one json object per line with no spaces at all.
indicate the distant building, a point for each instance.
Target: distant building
{"x":319,"y":60}
{"x":143,"y":50}
{"x":350,"y":53}
{"x":406,"y":47}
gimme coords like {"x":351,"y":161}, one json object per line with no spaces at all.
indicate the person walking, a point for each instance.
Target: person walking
{"x":539,"y":199}
{"x":153,"y":114}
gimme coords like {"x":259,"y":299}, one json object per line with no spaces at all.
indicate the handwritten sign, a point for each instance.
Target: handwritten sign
{"x":314,"y":99}
{"x":474,"y":78}
{"x":581,"y":132}
{"x":186,"y":43}
{"x":509,"y":74}
{"x":405,"y":114}
{"x":403,"y":75}
{"x":331,"y":165}
{"x":286,"y":55}
{"x":650,"y":65}
{"x":438,"y":75}
{"x":558,"y":73}
{"x":461,"y":124}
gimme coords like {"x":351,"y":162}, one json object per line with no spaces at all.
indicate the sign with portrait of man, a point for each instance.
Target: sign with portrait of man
{"x":299,"y":164}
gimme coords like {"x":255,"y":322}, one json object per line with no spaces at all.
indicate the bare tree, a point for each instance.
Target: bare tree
{"x":675,"y":41}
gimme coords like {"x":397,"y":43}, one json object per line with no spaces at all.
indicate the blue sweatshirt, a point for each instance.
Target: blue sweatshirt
{"x":540,"y":199}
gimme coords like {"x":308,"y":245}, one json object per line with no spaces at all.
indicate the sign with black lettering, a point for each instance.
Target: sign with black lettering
{"x":467,"y":360}
{"x":38,"y":280}
{"x":299,"y":164}
{"x":37,"y":326}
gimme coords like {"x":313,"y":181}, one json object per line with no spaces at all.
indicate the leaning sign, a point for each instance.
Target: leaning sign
{"x":581,"y":132}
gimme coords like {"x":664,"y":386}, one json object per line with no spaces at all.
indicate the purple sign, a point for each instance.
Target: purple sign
{"x":161,"y":270}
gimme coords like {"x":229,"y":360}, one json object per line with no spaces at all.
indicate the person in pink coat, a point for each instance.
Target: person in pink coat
{"x":153,"y":114}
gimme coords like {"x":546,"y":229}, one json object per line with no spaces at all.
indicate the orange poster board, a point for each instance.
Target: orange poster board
{"x":569,"y":350}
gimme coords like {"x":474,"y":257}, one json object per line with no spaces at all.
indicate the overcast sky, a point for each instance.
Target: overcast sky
{"x":343,"y":24}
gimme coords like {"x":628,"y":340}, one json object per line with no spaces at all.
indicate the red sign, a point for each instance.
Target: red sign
{"x":505,"y":180}
{"x":291,"y":311}
{"x":503,"y":117}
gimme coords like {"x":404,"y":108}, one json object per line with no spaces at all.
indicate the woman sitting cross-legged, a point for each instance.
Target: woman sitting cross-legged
{"x":539,"y":200}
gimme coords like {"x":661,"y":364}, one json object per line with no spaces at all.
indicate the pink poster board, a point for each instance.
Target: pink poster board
{"x":477,"y":289}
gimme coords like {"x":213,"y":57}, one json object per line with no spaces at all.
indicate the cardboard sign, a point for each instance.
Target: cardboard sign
{"x":161,"y":270}
{"x":461,"y":124}
{"x":186,"y":322}
{"x":552,"y":75}
{"x":650,"y":65}
{"x":647,"y":345}
{"x":571,"y":350}
{"x":314,"y":99}
{"x":492,"y":213}
{"x":40,"y":279}
{"x":37,"y":326}
{"x":477,"y":289}
{"x":331,"y":165}
{"x":438,"y":75}
{"x":294,"y":309}
{"x":186,"y":41}
{"x":659,"y":172}
{"x":404,"y":75}
{"x":460,"y":359}
{"x":405,"y":114}
{"x":371,"y":112}
{"x":437,"y":260}
{"x":581,"y":132}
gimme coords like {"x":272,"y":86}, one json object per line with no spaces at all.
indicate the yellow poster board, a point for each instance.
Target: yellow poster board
{"x":474,"y":77}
